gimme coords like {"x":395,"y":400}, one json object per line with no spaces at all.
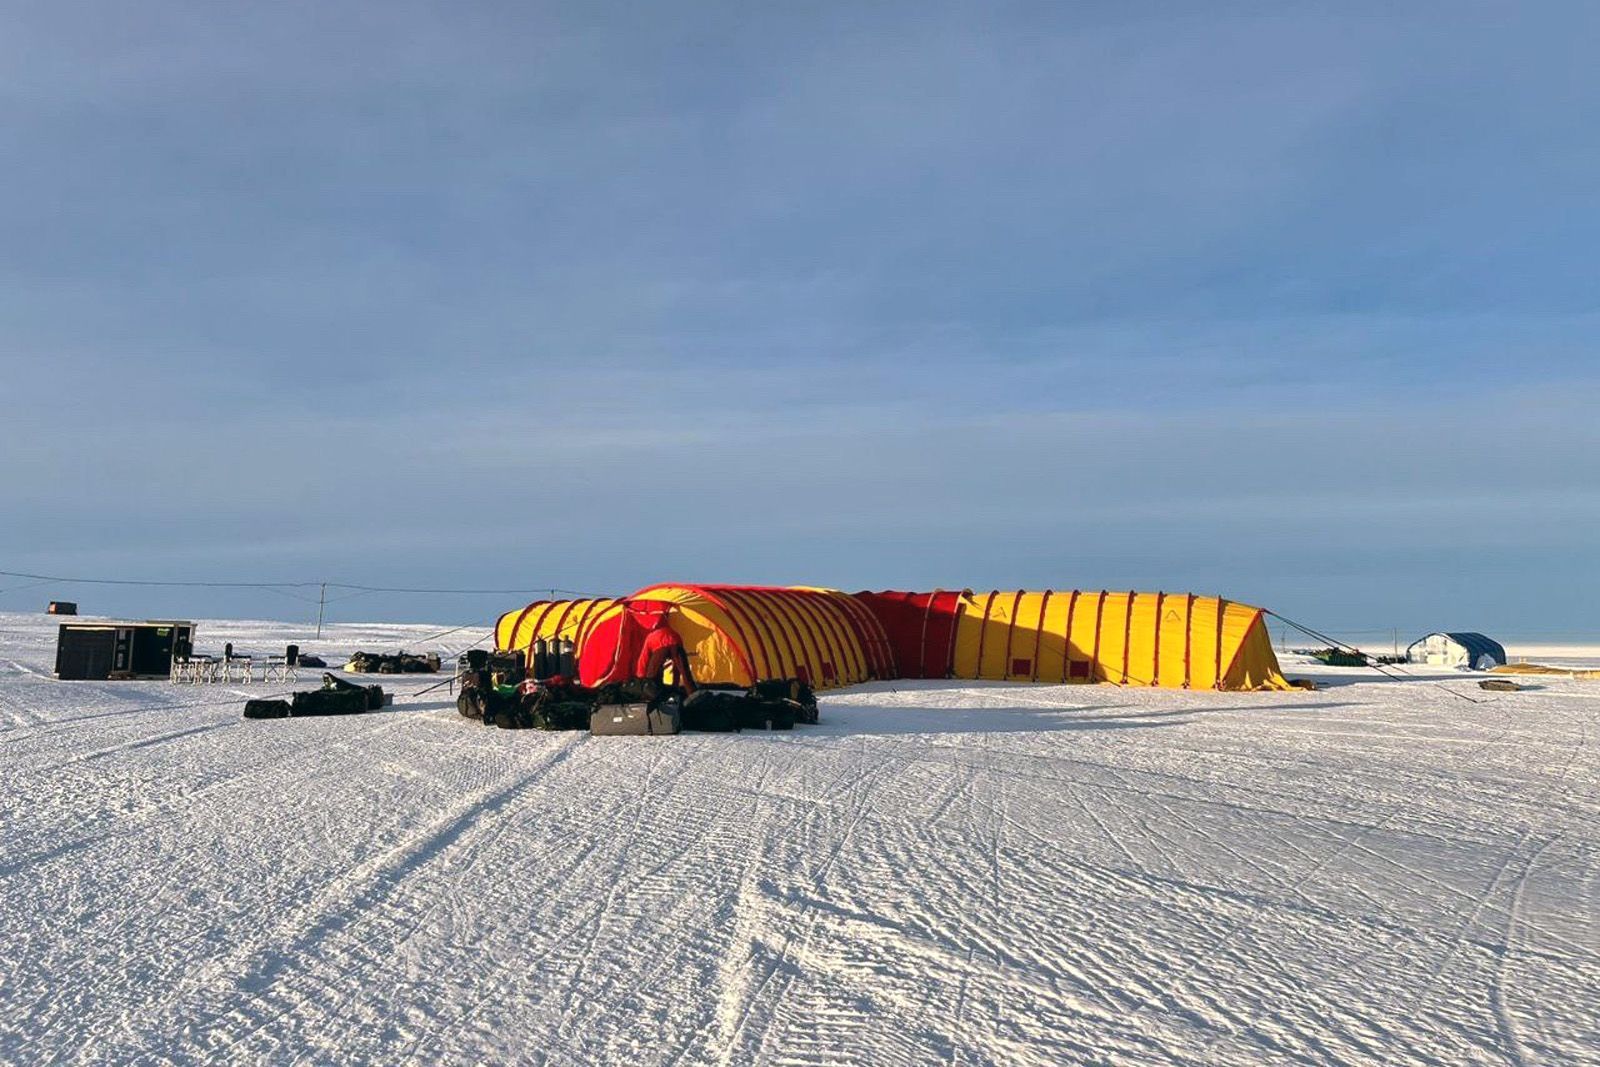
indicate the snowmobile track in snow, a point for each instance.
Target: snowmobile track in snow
{"x":938,"y":873}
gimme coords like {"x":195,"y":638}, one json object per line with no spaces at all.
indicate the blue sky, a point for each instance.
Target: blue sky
{"x":1292,"y":305}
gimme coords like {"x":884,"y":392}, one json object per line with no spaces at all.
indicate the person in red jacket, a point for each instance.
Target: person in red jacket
{"x":662,"y":646}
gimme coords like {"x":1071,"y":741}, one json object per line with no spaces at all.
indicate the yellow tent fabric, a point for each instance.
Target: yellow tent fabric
{"x":1173,"y":640}
{"x":516,"y":631}
{"x":745,"y":634}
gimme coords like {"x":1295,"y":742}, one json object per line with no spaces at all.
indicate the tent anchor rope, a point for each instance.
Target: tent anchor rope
{"x":451,"y":680}
{"x":1398,"y":675}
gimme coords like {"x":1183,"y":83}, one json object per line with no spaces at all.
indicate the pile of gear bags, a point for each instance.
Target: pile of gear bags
{"x":336,"y":697}
{"x":392,"y":663}
{"x":496,"y":691}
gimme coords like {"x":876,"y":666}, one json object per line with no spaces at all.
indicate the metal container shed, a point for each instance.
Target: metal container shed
{"x":91,"y":651}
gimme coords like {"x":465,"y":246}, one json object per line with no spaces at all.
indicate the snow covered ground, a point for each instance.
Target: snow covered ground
{"x":1378,"y":872}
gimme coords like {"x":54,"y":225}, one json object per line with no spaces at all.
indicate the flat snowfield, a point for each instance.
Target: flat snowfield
{"x":1377,"y":872}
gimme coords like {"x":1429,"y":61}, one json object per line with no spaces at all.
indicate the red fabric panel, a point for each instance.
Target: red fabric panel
{"x":611,"y":650}
{"x":920,"y":628}
{"x":900,"y":615}
{"x":603,"y":659}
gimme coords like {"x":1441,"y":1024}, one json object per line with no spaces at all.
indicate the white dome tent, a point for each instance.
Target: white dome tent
{"x":1459,"y":649}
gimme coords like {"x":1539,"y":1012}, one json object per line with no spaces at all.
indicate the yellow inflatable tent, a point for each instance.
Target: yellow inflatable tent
{"x":744,"y":634}
{"x":1174,"y":640}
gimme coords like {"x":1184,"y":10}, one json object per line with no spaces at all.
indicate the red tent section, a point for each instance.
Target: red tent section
{"x":612,"y":648}
{"x":921,"y":628}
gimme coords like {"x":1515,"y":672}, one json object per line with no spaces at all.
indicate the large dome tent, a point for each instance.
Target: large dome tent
{"x":741,"y":634}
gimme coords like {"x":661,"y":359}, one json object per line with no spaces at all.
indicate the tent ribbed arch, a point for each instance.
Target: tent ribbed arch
{"x":797,"y":630}
{"x":870,"y":632}
{"x":510,"y":624}
{"x":913,"y":633}
{"x":820,"y":638}
{"x":530,"y":630}
{"x":764,"y":646}
{"x":591,"y":617}
{"x":819,"y":628}
{"x":840,"y":650}
{"x":1038,"y":635}
{"x":773,"y":613}
{"x":900,"y":635}
{"x":772,"y":632}
{"x":928,"y":600}
{"x":790,"y":641}
{"x":858,"y":654}
{"x":855,"y":653}
{"x":560,"y":628}
{"x":506,"y":625}
{"x":833,"y":610}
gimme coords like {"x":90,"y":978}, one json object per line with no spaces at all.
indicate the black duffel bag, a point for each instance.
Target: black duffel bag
{"x":792,"y":691}
{"x":767,"y":715}
{"x":266,"y":709}
{"x":330,"y":702}
{"x":510,"y":715}
{"x":563,"y":715}
{"x":373,"y":693}
{"x":716,"y":711}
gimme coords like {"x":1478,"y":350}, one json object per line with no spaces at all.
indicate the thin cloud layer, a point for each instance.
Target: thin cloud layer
{"x":1292,"y":305}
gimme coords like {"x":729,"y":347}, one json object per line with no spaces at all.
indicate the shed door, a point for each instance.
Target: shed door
{"x":85,"y":654}
{"x":152,"y":650}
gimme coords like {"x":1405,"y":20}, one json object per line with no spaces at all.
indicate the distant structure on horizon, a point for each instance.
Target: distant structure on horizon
{"x":1457,"y":649}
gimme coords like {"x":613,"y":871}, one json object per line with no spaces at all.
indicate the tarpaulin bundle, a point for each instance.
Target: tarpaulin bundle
{"x":1539,"y":668}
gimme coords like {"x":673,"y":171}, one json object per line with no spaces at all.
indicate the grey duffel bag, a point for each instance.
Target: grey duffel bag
{"x":624,"y":720}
